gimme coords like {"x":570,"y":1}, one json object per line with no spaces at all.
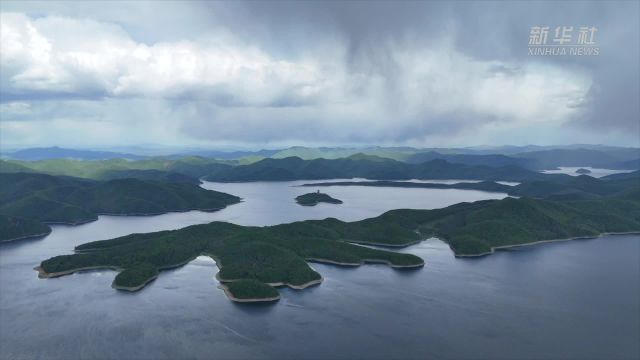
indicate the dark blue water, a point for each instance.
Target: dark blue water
{"x":570,"y":300}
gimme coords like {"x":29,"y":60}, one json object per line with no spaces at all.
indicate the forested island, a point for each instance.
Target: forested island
{"x":30,"y":201}
{"x":312,"y":199}
{"x":254,"y":260}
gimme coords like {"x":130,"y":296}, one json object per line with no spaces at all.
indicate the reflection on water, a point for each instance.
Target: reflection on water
{"x":576,"y":299}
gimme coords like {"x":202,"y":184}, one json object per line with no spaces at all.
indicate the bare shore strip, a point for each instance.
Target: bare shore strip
{"x":42,"y":274}
{"x":501,"y":247}
{"x":403,"y":245}
{"x":34,"y":236}
{"x":421,"y":238}
{"x":248,"y":300}
{"x":365,"y":261}
{"x":278,"y":284}
{"x":86,"y":221}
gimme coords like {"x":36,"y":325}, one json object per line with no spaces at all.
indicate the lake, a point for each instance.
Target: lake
{"x":595,"y":172}
{"x":576,"y":299}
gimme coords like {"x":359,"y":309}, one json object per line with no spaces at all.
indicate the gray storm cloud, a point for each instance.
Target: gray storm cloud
{"x":418,"y":73}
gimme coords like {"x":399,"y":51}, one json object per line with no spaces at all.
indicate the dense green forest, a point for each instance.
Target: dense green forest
{"x":370,"y":167}
{"x":275,"y":255}
{"x":193,"y":167}
{"x":28,"y":201}
{"x":251,"y":290}
{"x":16,"y":228}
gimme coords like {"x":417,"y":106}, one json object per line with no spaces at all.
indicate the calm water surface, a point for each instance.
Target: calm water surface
{"x":595,"y":172}
{"x":577,"y":299}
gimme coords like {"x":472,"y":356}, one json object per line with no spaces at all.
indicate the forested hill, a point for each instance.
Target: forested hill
{"x":193,"y":167}
{"x":369,"y":167}
{"x":27,"y":199}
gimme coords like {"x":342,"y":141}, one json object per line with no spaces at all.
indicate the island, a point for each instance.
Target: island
{"x":583,"y":171}
{"x":312,"y":199}
{"x":253,"y":261}
{"x":29,"y":202}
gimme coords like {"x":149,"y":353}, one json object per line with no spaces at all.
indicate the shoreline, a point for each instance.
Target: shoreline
{"x":86,"y":221}
{"x":365,"y":261}
{"x":42,"y":274}
{"x":537,"y":242}
{"x":34,"y":236}
{"x":248,"y":300}
{"x":130,"y":214}
{"x":357,"y":242}
{"x":134,"y":288}
{"x":278,"y":284}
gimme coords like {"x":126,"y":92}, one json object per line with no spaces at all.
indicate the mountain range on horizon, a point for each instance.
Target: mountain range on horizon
{"x":530,"y":156}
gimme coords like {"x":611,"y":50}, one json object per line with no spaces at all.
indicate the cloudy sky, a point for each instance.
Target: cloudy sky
{"x":267,"y":74}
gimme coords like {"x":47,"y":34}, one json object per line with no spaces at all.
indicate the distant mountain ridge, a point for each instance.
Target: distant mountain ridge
{"x":55,"y":152}
{"x":471,"y":159}
{"x":549,"y":159}
{"x":529,"y":157}
{"x":363,"y":166}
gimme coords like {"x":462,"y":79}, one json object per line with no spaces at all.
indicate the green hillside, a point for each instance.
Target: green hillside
{"x":194,"y":167}
{"x":308,"y":153}
{"x":16,"y":228}
{"x":55,"y":199}
{"x":291,"y":168}
{"x":8,"y":166}
{"x":154,"y":175}
{"x":370,"y":167}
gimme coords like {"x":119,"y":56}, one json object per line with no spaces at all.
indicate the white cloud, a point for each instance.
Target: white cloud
{"x":54,"y":54}
{"x":219,"y":88}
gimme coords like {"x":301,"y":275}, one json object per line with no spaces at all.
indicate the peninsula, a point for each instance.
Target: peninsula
{"x":30,"y":201}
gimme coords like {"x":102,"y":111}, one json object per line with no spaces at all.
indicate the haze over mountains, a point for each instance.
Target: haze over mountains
{"x":529,"y":157}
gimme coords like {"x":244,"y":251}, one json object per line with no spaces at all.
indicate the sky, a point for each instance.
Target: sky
{"x":268,"y":74}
